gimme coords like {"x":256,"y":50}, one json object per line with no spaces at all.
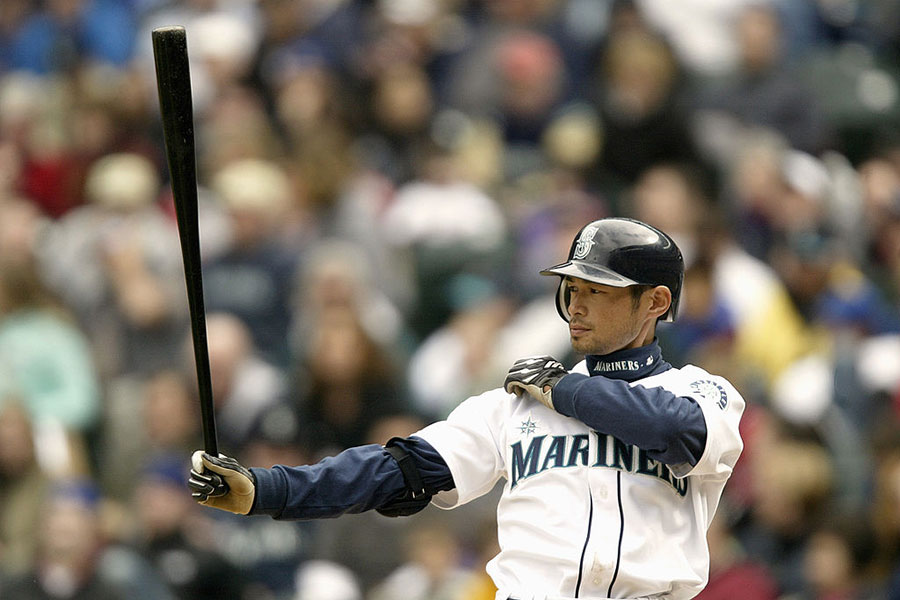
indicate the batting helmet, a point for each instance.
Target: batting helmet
{"x":621,"y":252}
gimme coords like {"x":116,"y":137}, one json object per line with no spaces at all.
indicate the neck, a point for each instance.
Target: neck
{"x":645,"y":336}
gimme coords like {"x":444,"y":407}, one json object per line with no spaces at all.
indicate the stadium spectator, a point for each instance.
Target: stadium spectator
{"x":45,"y":362}
{"x":254,"y":278}
{"x":116,"y":262}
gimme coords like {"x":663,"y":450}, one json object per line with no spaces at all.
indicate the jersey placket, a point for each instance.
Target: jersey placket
{"x":600,"y":556}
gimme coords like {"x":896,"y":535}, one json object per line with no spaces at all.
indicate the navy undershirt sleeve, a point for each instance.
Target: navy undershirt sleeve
{"x":670,"y":428}
{"x":356,"y":480}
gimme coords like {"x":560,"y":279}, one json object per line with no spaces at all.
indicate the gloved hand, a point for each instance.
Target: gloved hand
{"x":535,"y":376}
{"x":240,"y":484}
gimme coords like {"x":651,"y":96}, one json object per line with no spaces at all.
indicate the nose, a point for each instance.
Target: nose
{"x":576,"y":304}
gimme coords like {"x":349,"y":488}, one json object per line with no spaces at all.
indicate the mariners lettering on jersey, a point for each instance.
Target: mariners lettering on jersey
{"x":577,"y":450}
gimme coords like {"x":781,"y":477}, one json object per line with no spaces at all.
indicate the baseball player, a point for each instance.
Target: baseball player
{"x":613,"y":470}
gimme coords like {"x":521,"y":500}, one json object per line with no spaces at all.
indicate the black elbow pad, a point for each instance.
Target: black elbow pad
{"x":415,"y":498}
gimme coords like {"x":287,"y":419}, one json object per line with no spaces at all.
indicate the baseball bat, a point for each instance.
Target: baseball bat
{"x":173,"y":81}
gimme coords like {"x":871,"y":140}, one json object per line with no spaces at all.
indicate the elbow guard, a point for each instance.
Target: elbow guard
{"x":415,"y":498}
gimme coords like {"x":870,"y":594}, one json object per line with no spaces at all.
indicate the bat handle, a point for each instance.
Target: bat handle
{"x":220,"y":488}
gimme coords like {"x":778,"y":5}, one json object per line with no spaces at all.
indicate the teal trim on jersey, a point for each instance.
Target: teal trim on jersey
{"x":587,"y":539}
{"x":621,"y":533}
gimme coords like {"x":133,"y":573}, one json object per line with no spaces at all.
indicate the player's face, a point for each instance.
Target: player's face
{"x":606,"y":319}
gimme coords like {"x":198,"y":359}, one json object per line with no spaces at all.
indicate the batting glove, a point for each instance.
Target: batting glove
{"x":535,"y":376}
{"x":207,"y":474}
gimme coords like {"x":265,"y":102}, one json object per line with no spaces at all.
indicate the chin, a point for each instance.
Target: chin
{"x":582,"y":347}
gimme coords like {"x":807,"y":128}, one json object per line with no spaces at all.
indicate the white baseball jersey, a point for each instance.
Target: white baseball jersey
{"x":583,"y":514}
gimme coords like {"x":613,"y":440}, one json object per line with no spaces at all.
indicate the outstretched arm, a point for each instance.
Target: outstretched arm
{"x":356,"y":480}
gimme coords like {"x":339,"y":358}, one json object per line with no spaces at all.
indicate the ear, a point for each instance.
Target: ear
{"x":660,"y":301}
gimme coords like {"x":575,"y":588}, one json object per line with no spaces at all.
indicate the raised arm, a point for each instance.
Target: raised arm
{"x":671,"y":428}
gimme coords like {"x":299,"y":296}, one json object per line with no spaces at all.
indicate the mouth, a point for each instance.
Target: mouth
{"x":577,"y":329}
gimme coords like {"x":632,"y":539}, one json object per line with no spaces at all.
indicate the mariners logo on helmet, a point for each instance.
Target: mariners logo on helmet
{"x":585,"y":241}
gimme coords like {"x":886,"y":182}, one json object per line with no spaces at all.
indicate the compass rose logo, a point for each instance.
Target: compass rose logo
{"x":528,"y":426}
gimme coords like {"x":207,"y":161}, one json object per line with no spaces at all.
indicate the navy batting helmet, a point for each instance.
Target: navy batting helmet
{"x":621,"y":252}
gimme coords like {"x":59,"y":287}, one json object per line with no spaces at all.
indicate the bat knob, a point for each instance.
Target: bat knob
{"x":220,"y":488}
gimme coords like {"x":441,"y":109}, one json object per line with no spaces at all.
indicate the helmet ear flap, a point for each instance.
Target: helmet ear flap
{"x":670,"y":315}
{"x":562,"y":300}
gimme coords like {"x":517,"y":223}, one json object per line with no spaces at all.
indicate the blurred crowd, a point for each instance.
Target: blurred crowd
{"x":379,"y":183}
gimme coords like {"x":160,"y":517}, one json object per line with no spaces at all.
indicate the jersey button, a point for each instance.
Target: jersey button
{"x":602,"y":490}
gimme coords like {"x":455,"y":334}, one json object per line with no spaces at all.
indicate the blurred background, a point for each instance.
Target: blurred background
{"x":380,"y":181}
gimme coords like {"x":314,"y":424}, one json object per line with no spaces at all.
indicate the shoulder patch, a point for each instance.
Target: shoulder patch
{"x":711,"y":391}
